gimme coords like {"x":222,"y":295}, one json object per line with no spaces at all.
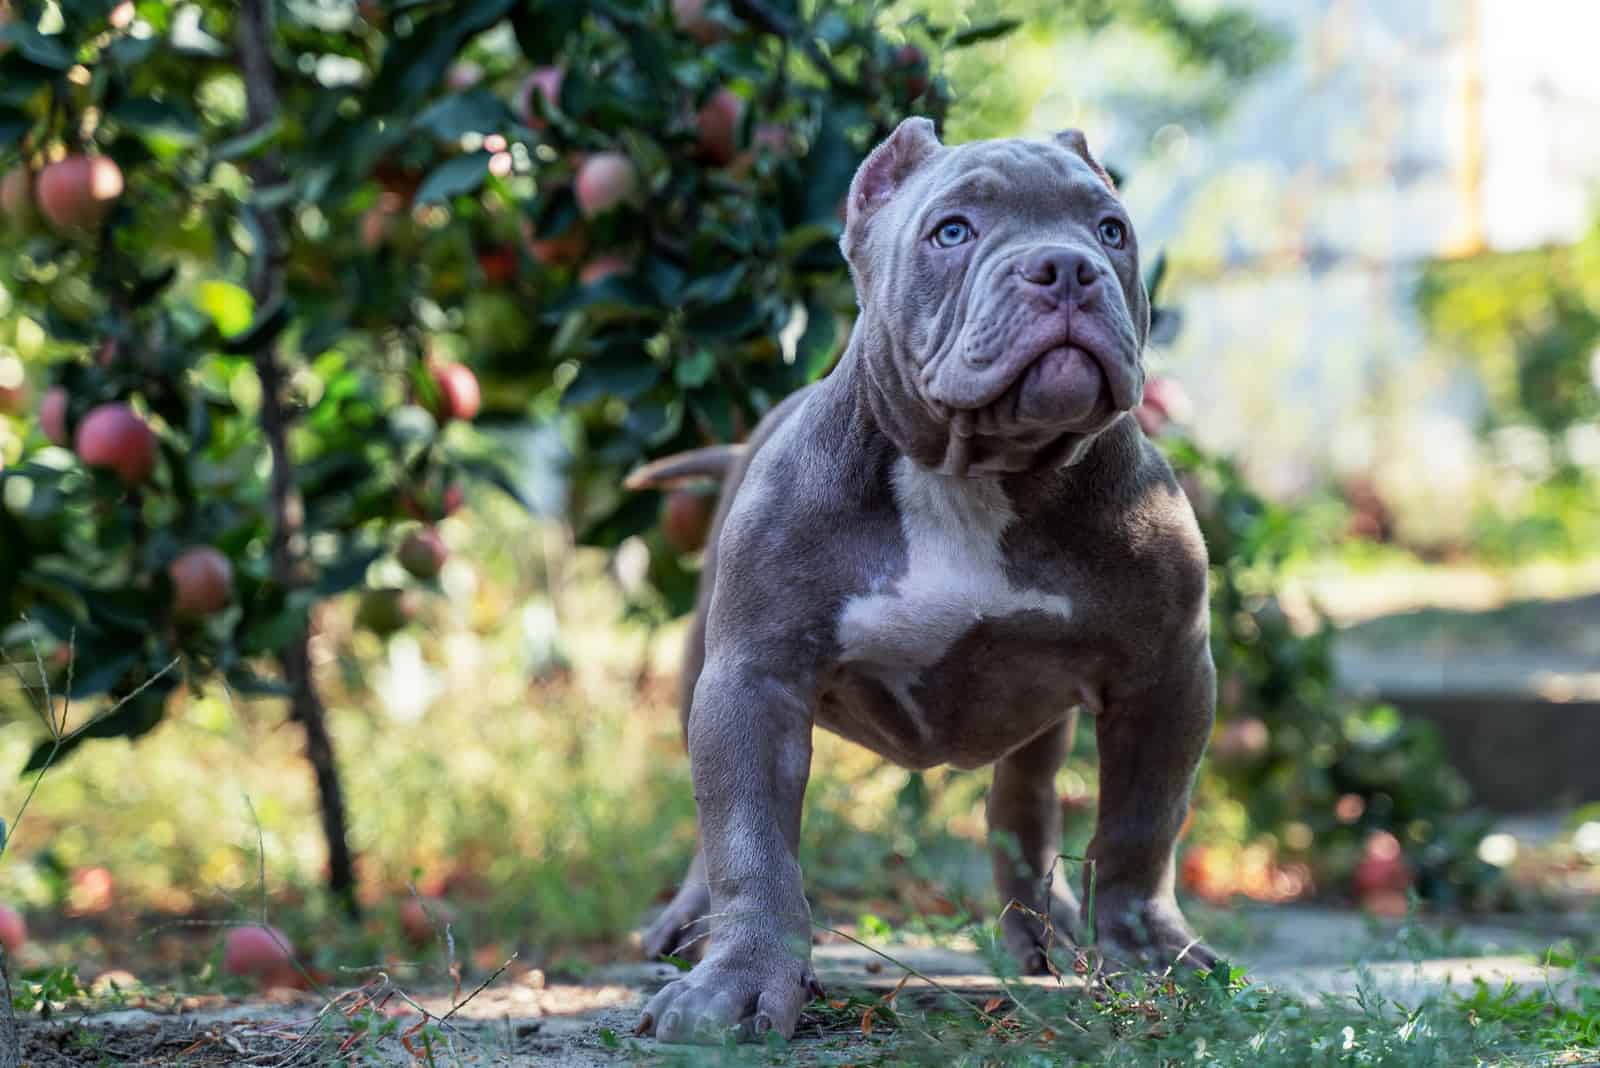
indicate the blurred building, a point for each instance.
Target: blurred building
{"x":1393,"y":134}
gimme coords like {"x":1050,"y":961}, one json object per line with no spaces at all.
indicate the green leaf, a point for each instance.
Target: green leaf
{"x":815,"y":351}
{"x":622,"y":374}
{"x":695,"y":370}
{"x":715,"y":408}
{"x":157,"y":117}
{"x":829,"y":167}
{"x":137,"y":716}
{"x":501,"y":479}
{"x":715,"y":288}
{"x":229,"y":307}
{"x":348,"y":571}
{"x":246,"y":683}
{"x":415,"y":64}
{"x":102,"y":676}
{"x":260,"y":333}
{"x":36,"y":47}
{"x":474,"y":111}
{"x":13,"y":124}
{"x":983,"y":31}
{"x":454,"y":177}
{"x":248,"y":143}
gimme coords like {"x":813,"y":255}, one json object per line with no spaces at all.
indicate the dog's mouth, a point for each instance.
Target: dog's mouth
{"x":1065,"y":382}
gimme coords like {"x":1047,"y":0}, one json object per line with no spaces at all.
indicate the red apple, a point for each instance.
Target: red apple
{"x":93,"y":890}
{"x":690,"y":17}
{"x":1165,"y":401}
{"x":718,"y":125}
{"x":114,"y":436}
{"x":79,"y":192}
{"x":499,"y":264}
{"x":53,"y":415}
{"x":911,"y":59}
{"x":386,"y":611}
{"x":16,"y":197}
{"x":1382,"y":868}
{"x":202,"y":582}
{"x":606,"y":180}
{"x":454,"y":498}
{"x":1241,"y":744}
{"x":563,"y":250}
{"x":463,"y":75}
{"x":423,"y":553}
{"x":546,"y":82}
{"x":424,"y":921}
{"x":602,"y":267}
{"x":13,"y":930}
{"x":459,"y":396}
{"x":264,"y":954}
{"x":13,"y":386}
{"x":686,"y":519}
{"x":427,"y":506}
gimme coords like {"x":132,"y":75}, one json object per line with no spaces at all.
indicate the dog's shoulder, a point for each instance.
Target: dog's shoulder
{"x":814,"y":510}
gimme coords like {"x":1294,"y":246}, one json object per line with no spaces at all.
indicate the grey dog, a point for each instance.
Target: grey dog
{"x":941,"y":552}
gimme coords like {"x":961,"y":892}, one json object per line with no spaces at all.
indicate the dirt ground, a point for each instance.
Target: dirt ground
{"x":526,"y":1020}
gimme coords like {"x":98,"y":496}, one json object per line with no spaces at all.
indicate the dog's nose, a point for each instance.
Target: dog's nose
{"x":1059,"y":270}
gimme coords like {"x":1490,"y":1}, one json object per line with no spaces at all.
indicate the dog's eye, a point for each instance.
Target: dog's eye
{"x":951,"y":233}
{"x":1112,"y":233}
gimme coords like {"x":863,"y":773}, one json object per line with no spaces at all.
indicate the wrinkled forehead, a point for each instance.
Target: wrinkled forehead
{"x":1037,"y":181}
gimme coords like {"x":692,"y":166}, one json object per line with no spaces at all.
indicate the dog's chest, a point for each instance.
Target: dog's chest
{"x":956,"y":592}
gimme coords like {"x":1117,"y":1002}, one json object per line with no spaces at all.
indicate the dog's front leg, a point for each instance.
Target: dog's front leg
{"x":1024,"y":847}
{"x":750,"y":753}
{"x":1151,"y":739}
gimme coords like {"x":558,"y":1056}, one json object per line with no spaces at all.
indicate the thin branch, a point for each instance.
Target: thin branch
{"x":62,"y":739}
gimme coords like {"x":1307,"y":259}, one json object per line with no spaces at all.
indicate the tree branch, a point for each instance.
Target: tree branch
{"x":287,"y":545}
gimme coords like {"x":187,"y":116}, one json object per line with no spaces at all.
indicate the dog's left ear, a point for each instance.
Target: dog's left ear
{"x":1074,"y":141}
{"x":883,"y":172}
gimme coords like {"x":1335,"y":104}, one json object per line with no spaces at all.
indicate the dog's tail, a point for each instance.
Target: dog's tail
{"x":712,"y":462}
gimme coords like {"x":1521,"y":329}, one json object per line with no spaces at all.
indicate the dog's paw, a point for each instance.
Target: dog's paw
{"x":1151,"y":939}
{"x":681,"y":928}
{"x":748,"y":992}
{"x":1034,"y":945}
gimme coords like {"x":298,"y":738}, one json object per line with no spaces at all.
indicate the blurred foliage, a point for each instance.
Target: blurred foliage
{"x":1180,"y":63}
{"x":1309,"y":769}
{"x":1528,"y":323}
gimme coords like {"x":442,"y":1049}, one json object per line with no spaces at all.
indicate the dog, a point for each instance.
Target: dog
{"x":941,"y":552}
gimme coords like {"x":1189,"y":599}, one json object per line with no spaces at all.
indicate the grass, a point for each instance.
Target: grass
{"x":1217,"y":1019}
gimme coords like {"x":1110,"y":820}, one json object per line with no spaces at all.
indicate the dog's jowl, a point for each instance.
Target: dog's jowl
{"x":943,"y":551}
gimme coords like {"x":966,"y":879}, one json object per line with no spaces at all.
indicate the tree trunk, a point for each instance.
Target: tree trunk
{"x":287,"y":547}
{"x":10,"y":1041}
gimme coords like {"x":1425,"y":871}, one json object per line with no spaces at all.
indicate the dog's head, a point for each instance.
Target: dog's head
{"x":1002,"y":310}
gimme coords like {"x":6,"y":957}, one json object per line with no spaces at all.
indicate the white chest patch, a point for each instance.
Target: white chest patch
{"x":955,"y":578}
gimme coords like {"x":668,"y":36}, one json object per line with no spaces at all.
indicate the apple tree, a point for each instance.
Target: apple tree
{"x":269,"y":268}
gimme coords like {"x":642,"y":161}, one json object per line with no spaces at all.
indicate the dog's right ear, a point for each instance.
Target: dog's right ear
{"x":883,"y":172}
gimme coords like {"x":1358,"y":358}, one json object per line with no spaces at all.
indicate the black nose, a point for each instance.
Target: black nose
{"x":1059,"y":270}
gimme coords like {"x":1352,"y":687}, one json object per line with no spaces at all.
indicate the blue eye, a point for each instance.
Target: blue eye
{"x":951,"y":233}
{"x":1112,"y":233}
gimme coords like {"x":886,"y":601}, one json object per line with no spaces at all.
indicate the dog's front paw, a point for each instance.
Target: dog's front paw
{"x":749,"y":991}
{"x":1151,"y":938}
{"x":1033,"y":945}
